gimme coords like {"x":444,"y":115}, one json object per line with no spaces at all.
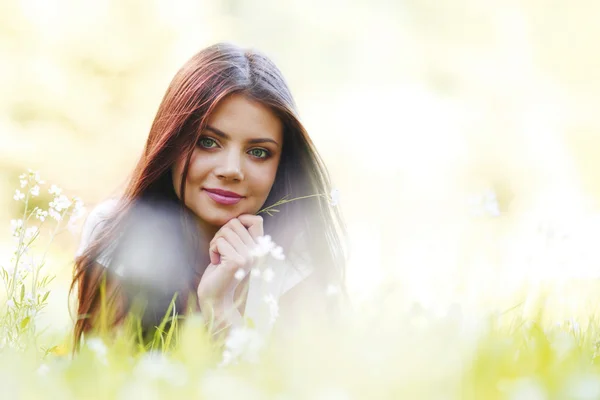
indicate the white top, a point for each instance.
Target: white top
{"x":263,"y":295}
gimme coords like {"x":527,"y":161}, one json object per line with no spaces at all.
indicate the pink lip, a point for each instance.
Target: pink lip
{"x":223,"y":199}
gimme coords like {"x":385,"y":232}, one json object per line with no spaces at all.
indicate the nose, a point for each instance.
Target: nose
{"x":230,"y":168}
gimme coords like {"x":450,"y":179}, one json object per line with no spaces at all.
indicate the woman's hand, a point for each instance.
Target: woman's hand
{"x":230,"y":250}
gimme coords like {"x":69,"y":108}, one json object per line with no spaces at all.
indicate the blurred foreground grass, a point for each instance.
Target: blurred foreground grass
{"x":410,"y":355}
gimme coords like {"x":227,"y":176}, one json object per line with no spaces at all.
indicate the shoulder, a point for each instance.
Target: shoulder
{"x":94,"y":222}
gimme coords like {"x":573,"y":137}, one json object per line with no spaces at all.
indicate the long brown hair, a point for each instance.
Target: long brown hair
{"x":197,"y":88}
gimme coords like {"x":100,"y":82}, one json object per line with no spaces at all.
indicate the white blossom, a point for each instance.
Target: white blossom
{"x":154,"y":365}
{"x":43,"y":370}
{"x":335,"y":197}
{"x":54,"y":214}
{"x":55,"y":190}
{"x":41,"y":214}
{"x":10,"y":303}
{"x":240,"y":274}
{"x":60,"y":203}
{"x":36,"y":177}
{"x":35,"y":191}
{"x":23,"y":183}
{"x":18,"y":195}
{"x":268,"y":274}
{"x":97,"y":346}
{"x":277,"y":253}
{"x":242,"y":343}
{"x":332,"y":290}
{"x":16,"y":227}
{"x":255,"y":272}
{"x":273,"y":307}
{"x":264,"y":245}
{"x":30,"y":232}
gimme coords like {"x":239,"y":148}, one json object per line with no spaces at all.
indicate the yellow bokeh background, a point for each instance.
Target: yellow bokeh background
{"x":417,"y":107}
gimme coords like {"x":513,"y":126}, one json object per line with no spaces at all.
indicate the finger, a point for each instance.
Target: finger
{"x":242,"y":232}
{"x":215,"y":257}
{"x":234,"y":260}
{"x":254,"y":224}
{"x":239,"y":229}
{"x":235,"y":241}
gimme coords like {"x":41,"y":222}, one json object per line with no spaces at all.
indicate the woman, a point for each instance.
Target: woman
{"x":226,"y":142}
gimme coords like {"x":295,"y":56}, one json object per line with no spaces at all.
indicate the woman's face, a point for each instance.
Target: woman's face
{"x":238,"y":152}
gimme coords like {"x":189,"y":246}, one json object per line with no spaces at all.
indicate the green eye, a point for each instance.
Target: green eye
{"x":259,"y":153}
{"x":206,"y":142}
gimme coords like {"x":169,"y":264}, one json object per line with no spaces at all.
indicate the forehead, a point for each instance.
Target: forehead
{"x":243,"y":118}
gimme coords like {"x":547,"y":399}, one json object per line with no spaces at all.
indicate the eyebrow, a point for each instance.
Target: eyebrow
{"x":226,"y":136}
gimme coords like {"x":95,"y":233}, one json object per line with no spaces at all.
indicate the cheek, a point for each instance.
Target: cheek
{"x":264,"y":180}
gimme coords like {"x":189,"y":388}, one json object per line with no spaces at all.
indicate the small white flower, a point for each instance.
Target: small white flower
{"x":98,"y":347}
{"x":242,"y":343}
{"x":35,"y":191}
{"x":55,"y":190}
{"x":16,"y":227}
{"x":40,"y":214}
{"x":277,"y":253}
{"x":29,"y":298}
{"x":335,"y":197}
{"x":255,"y":272}
{"x":332,"y":290}
{"x":485,"y":204}
{"x":54,"y":214}
{"x":273,"y":307}
{"x":26,"y":265}
{"x":268,"y":274}
{"x":43,"y":370}
{"x":264,"y":245}
{"x":23,"y":176}
{"x":60,"y":203}
{"x":10,"y":303}
{"x":240,"y":274}
{"x":18,"y":195}
{"x":30,"y":232}
{"x":36,"y":177}
{"x":23,"y":183}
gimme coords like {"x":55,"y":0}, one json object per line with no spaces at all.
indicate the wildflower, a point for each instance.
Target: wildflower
{"x":43,"y":370}
{"x":255,"y":272}
{"x":242,"y":343}
{"x":485,"y":204}
{"x":10,"y":303}
{"x":268,"y":274}
{"x":334,"y":197}
{"x":332,"y":290}
{"x":277,"y":253}
{"x":60,"y":203}
{"x":40,"y":214}
{"x":273,"y":306}
{"x":16,"y":227}
{"x":98,"y":347}
{"x":54,"y":214}
{"x":264,"y":246}
{"x":23,"y":183}
{"x":18,"y":195}
{"x":36,"y":177}
{"x":55,"y":190}
{"x":155,"y":365}
{"x":240,"y":274}
{"x":30,"y":232}
{"x":35,"y":191}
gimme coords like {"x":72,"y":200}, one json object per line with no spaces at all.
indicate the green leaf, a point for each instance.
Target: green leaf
{"x":25,"y":322}
{"x":22,"y":293}
{"x":45,"y":296}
